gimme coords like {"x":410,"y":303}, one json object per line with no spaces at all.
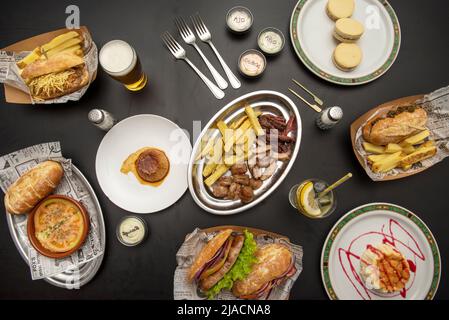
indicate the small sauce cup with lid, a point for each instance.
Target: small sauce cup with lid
{"x":239,"y":19}
{"x":271,"y":41}
{"x":131,"y":231}
{"x":252,"y":63}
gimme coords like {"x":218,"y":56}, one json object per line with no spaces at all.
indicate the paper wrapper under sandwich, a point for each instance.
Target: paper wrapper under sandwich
{"x":436,"y":104}
{"x":12,"y":166}
{"x":16,"y":90}
{"x":184,"y":290}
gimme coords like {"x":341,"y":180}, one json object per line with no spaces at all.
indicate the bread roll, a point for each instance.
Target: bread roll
{"x":33,"y":186}
{"x":395,"y":126}
{"x":57,"y":63}
{"x":273,"y":260}
{"x":208,"y":251}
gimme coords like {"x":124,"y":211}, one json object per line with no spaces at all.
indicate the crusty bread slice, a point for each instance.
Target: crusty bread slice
{"x":383,"y":130}
{"x":57,"y":63}
{"x":33,"y":186}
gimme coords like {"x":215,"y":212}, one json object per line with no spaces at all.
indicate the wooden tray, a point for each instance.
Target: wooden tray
{"x":14,"y":95}
{"x":382,"y":109}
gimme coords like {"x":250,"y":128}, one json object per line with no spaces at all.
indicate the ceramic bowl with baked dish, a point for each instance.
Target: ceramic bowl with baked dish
{"x":58,"y":226}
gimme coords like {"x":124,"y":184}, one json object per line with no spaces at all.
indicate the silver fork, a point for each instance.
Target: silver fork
{"x":189,"y":38}
{"x":205,"y":36}
{"x":180,"y":54}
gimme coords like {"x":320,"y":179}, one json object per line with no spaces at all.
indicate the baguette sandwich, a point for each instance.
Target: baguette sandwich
{"x":224,"y":259}
{"x":233,"y":261}
{"x":395,"y":126}
{"x":59,"y":75}
{"x":275,"y":263}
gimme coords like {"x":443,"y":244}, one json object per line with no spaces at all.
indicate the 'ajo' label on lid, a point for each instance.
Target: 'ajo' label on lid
{"x":239,"y":19}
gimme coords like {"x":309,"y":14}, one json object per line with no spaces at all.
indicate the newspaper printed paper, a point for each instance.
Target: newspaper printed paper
{"x":184,"y":290}
{"x":436,"y":104}
{"x":9,"y":72}
{"x":12,"y":166}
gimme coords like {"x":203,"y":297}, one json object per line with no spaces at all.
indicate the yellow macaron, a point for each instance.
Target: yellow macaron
{"x":347,"y":56}
{"x":337,"y":9}
{"x":348,"y":30}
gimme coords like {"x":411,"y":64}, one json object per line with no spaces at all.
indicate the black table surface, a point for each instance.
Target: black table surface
{"x":146,"y":271}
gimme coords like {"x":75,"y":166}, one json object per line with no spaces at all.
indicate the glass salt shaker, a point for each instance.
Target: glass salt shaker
{"x":102,"y":119}
{"x":329,"y":117}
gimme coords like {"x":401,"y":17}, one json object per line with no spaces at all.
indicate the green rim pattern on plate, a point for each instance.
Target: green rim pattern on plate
{"x":372,"y":207}
{"x":338,"y":80}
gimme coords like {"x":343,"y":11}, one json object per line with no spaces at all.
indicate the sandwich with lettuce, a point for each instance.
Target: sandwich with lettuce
{"x":226,"y":258}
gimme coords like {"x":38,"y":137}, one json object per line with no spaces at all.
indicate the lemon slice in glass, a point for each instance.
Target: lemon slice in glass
{"x":306,"y":198}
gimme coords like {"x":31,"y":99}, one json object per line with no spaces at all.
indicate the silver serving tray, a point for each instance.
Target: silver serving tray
{"x":86,"y":271}
{"x":265,"y":101}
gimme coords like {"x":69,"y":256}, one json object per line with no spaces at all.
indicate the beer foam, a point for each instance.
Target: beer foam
{"x":117,"y":57}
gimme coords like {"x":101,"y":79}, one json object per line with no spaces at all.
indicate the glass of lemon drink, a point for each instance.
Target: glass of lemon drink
{"x":308,"y":198}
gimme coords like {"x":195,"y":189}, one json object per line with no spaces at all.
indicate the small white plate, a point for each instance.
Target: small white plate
{"x":372,"y":224}
{"x":127,"y":137}
{"x":311,"y":34}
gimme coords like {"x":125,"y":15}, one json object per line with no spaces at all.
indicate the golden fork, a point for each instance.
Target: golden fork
{"x":315,"y":98}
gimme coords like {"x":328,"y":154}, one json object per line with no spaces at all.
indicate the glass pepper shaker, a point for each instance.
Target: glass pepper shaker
{"x":102,"y":119}
{"x":329,"y":117}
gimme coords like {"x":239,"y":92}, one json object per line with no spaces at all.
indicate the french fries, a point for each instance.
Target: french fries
{"x":372,"y":148}
{"x":30,"y":58}
{"x":72,"y":48}
{"x":245,"y":137}
{"x":213,"y":161}
{"x":403,"y":155}
{"x":59,"y":40}
{"x":408,"y":149}
{"x":389,"y":162}
{"x":428,"y":143}
{"x":65,"y":45}
{"x":418,"y":155}
{"x":219,"y":171}
{"x":393,"y":148}
{"x":238,"y":123}
{"x":233,"y":146}
{"x":222,"y":127}
{"x":70,"y":42}
{"x":416,"y":138}
{"x":254,"y":122}
{"x":206,"y":149}
{"x":209,"y":168}
{"x":377,"y":157}
{"x":237,"y":134}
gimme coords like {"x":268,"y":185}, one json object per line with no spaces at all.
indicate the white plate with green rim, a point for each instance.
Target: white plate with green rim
{"x":371,"y":224}
{"x":311,"y":35}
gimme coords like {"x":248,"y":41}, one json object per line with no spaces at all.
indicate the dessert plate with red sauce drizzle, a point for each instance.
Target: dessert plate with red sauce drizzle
{"x":374,"y":224}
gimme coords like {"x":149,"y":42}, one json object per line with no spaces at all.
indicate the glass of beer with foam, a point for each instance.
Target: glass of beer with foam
{"x":120,"y":61}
